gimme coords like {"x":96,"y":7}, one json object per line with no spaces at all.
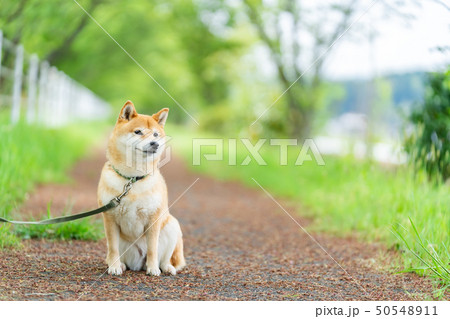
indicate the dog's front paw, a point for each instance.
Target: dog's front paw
{"x":169,"y":269}
{"x":117,"y":268}
{"x":152,"y":271}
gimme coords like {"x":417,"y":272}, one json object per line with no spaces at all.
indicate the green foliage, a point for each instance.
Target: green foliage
{"x":82,"y":229}
{"x":215,"y":58}
{"x":429,"y":145}
{"x":31,"y":155}
{"x":169,"y":40}
{"x":206,"y":54}
{"x":433,"y":263}
{"x":345,"y":196}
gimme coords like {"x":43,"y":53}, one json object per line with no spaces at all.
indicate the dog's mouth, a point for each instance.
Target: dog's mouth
{"x":150,"y":151}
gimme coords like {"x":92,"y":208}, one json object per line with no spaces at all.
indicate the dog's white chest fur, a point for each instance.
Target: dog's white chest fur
{"x":132,"y":215}
{"x":135,"y":209}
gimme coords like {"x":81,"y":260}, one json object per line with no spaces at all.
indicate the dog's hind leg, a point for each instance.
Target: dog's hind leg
{"x":177,"y":259}
{"x":177,"y":254}
{"x":167,"y":244}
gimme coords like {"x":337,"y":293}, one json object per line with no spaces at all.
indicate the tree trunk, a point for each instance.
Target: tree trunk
{"x":299,"y":117}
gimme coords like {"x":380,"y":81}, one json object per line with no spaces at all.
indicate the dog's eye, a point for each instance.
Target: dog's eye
{"x":155,"y":134}
{"x":138,"y":132}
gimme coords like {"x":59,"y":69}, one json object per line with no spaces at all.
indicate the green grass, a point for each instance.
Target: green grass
{"x":8,"y":238}
{"x":30,"y":155}
{"x":431,"y":260}
{"x":81,"y":229}
{"x":349,"y":197}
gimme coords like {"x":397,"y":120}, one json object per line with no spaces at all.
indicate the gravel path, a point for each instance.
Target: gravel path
{"x":239,"y":245}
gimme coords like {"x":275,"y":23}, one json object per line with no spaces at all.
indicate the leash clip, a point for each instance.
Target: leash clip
{"x":126,"y":189}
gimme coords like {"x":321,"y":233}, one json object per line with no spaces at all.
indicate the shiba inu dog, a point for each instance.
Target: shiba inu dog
{"x":140,"y":232}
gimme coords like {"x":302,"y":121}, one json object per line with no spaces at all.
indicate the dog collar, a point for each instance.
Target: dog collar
{"x":134,"y":178}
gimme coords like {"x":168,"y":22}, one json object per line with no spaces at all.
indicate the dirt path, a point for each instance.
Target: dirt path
{"x":239,"y":246}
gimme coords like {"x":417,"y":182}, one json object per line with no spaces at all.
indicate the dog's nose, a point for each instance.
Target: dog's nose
{"x":154,"y":144}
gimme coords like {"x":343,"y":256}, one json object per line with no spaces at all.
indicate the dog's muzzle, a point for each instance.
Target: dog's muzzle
{"x":152,"y":147}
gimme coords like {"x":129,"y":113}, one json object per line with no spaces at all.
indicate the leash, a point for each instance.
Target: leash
{"x":113,"y":203}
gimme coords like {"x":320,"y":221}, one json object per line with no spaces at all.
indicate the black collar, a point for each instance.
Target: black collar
{"x":134,"y":178}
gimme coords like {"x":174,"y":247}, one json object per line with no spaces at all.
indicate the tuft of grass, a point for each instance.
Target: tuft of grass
{"x":344,"y":197}
{"x":32,"y":154}
{"x":432,"y":262}
{"x":81,"y":229}
{"x":8,"y":239}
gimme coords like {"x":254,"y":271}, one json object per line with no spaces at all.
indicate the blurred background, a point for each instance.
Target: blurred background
{"x":361,"y":65}
{"x":371,"y":86}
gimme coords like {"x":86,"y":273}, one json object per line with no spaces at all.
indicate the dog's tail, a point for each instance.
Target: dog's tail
{"x":177,"y":259}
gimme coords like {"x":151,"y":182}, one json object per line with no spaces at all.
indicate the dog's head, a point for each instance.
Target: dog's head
{"x":137,"y":141}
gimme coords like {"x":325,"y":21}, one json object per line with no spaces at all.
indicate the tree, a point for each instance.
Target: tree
{"x":168,"y":38}
{"x":429,"y":145}
{"x":272,"y":23}
{"x":59,"y":52}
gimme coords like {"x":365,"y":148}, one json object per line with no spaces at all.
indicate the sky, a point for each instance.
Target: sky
{"x":400,"y":45}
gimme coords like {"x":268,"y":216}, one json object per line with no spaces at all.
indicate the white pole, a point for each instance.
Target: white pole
{"x":17,"y":89}
{"x":50,"y":105}
{"x":53,"y":99}
{"x":32,"y":82}
{"x":60,"y":100}
{"x":54,"y":85}
{"x":43,"y":96}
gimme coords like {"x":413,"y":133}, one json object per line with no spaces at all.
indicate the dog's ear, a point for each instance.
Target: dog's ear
{"x":128,"y":112}
{"x":161,"y":116}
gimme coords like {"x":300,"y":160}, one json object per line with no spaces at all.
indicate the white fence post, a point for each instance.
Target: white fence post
{"x":43,"y":92}
{"x":32,"y":82}
{"x":17,"y":89}
{"x":52,"y":97}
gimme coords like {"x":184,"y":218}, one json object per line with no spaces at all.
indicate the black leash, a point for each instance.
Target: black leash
{"x":113,"y":203}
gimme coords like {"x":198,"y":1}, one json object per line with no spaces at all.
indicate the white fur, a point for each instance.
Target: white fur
{"x":135,"y":162}
{"x":134,"y":254}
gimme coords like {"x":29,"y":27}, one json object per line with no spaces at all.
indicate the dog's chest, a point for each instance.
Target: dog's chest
{"x":138,"y":208}
{"x":136,"y":212}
